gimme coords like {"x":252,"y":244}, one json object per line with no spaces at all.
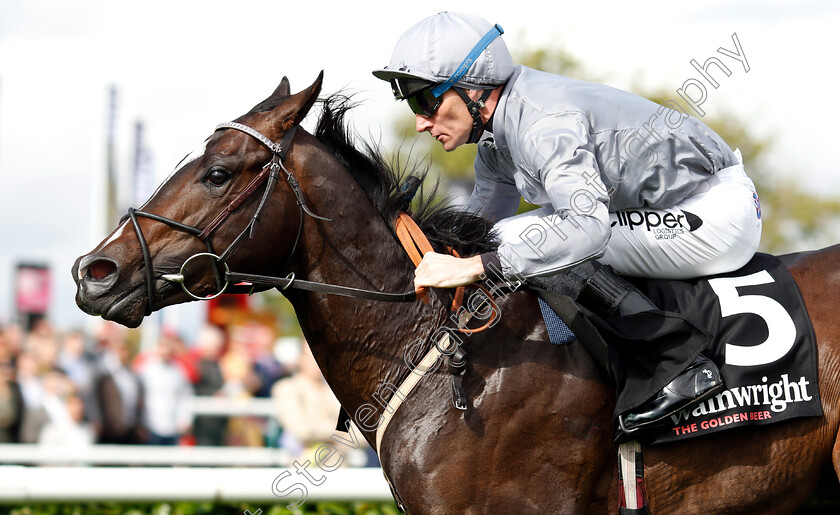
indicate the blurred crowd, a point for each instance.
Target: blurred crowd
{"x":74,"y":388}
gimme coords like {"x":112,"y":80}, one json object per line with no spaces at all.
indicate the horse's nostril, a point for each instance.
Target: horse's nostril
{"x":101,"y":269}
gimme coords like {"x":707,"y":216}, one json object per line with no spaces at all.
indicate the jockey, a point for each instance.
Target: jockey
{"x":644,"y":188}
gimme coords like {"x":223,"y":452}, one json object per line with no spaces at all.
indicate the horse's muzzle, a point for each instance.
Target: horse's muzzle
{"x":96,"y":279}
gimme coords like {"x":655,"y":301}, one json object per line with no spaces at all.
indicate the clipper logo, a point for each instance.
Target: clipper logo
{"x":665,"y":225}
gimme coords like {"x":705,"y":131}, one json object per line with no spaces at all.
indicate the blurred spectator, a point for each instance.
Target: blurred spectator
{"x":11,"y":401}
{"x":241,"y":381}
{"x":237,"y":365}
{"x":209,"y":430}
{"x":117,"y":394}
{"x":32,"y":391}
{"x":42,"y":344}
{"x":266,"y":367}
{"x":74,"y":360}
{"x":167,"y":411}
{"x":11,"y":409}
{"x":306,"y":407}
{"x":13,"y":337}
{"x":287,"y":352}
{"x":58,"y":388}
{"x":67,"y":425}
{"x":183,"y":356}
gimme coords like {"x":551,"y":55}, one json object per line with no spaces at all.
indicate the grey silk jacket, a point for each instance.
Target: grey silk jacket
{"x":583,"y":150}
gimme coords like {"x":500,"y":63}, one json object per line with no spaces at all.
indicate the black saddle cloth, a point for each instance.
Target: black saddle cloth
{"x":752,"y":323}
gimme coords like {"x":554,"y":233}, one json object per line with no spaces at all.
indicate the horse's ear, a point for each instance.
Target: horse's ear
{"x":301,"y":102}
{"x":283,"y":90}
{"x":280,"y":94}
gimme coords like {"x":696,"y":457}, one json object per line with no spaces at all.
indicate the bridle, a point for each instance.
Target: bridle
{"x":269,"y":175}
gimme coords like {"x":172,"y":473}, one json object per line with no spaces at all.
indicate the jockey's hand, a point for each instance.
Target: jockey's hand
{"x":445,"y":271}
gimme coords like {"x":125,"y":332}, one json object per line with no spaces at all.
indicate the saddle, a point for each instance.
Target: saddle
{"x":752,"y":323}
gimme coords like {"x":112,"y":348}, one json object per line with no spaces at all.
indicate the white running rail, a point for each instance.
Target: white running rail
{"x":153,"y":484}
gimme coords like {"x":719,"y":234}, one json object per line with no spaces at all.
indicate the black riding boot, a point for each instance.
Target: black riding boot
{"x":608,"y":295}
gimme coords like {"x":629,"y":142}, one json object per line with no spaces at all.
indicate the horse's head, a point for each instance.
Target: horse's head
{"x":214,"y":201}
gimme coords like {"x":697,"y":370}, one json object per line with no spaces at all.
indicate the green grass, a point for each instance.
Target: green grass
{"x":192,"y":508}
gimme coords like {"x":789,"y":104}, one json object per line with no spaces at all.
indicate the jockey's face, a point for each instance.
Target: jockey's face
{"x":451,"y":124}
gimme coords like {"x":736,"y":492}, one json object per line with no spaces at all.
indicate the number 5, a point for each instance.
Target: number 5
{"x":781,"y":329}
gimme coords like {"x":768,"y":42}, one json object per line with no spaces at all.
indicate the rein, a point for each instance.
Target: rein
{"x":416,"y":245}
{"x":291,"y":282}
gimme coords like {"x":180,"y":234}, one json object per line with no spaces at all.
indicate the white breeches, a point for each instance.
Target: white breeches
{"x":716,"y":229}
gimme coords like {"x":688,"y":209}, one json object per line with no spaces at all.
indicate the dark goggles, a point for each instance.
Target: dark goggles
{"x":424,"y":102}
{"x":405,"y":87}
{"x":418,"y":93}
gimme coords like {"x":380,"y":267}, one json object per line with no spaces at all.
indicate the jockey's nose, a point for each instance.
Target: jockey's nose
{"x":422,"y":123}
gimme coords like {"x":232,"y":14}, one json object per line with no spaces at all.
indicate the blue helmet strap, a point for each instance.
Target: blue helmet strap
{"x":468,"y":61}
{"x":475,"y":107}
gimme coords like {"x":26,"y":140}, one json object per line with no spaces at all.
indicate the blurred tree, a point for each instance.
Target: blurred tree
{"x":794,"y":219}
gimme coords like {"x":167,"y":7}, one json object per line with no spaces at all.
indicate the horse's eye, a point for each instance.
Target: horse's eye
{"x":217,"y":176}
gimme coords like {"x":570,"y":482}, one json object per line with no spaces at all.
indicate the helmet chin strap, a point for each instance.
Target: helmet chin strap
{"x":475,"y":107}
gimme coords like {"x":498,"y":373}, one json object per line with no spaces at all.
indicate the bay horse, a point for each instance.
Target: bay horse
{"x":537,"y":434}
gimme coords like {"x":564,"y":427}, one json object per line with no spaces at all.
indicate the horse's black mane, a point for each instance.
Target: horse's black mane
{"x":443,"y":225}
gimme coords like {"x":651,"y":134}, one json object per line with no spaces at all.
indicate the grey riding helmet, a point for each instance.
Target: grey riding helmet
{"x":461,"y":48}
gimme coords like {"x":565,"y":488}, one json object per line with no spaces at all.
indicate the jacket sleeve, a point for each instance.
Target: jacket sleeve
{"x":494,"y":196}
{"x":558,"y":152}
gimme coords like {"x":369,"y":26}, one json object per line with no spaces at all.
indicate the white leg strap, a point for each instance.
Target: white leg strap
{"x":627,"y":452}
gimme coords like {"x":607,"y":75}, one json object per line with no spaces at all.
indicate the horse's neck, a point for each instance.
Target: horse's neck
{"x":359,"y":344}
